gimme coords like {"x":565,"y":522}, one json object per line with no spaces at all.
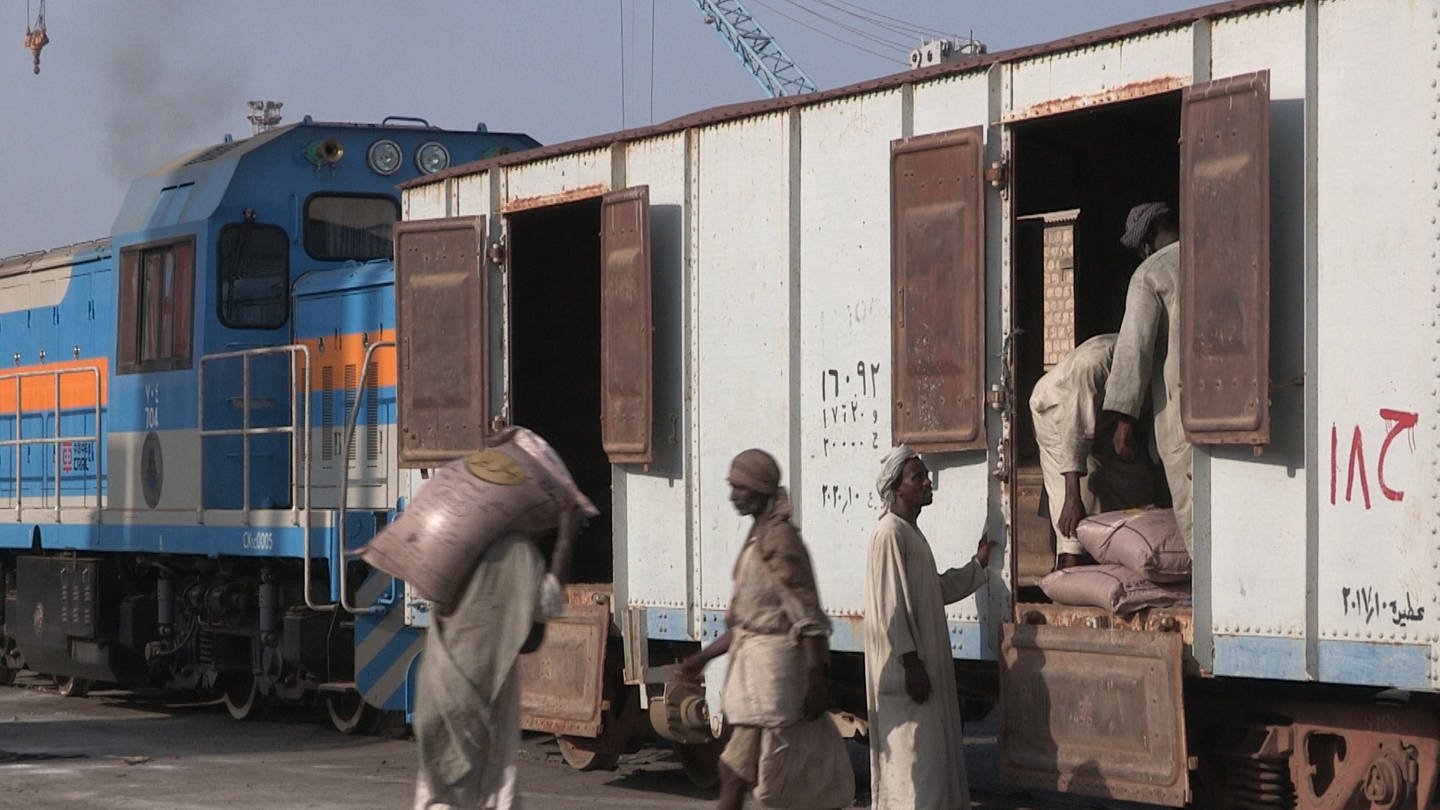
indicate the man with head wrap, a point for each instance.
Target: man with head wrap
{"x":777,"y":637}
{"x":917,"y":756}
{"x":1150,"y":333}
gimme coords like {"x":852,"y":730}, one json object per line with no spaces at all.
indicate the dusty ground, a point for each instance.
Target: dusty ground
{"x":120,"y":750}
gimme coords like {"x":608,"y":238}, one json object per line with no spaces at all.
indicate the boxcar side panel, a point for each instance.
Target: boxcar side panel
{"x":844,"y":382}
{"x":1108,"y":72}
{"x":743,"y":313}
{"x":548,"y":178}
{"x":652,"y":552}
{"x":1256,"y":508}
{"x":1375,"y":581}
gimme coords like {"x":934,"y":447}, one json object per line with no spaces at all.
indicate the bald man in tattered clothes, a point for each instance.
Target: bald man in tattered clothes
{"x":917,"y":755}
{"x":777,"y":637}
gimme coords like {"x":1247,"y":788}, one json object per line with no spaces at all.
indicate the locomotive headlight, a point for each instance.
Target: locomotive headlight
{"x":432,"y":157}
{"x":383,"y":157}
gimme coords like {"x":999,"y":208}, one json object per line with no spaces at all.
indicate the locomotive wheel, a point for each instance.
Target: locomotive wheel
{"x":585,"y":755}
{"x":242,"y":697}
{"x":350,"y":714}
{"x":68,"y":686}
{"x":701,"y":763}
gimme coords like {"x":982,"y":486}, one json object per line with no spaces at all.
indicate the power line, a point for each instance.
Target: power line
{"x":863,"y":34}
{"x":828,"y":35}
{"x":652,"y":61}
{"x":882,"y":20}
{"x":622,"y":64}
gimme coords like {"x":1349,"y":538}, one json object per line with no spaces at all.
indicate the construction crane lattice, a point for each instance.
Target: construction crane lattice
{"x":758,"y":51}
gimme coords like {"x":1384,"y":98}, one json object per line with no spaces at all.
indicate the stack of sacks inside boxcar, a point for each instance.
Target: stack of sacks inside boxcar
{"x":1141,"y":562}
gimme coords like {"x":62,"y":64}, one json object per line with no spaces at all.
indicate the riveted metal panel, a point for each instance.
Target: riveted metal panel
{"x":1225,"y":261}
{"x":562,"y":681}
{"x":1095,"y":712}
{"x":937,"y":275}
{"x":626,"y":384}
{"x":443,"y":354}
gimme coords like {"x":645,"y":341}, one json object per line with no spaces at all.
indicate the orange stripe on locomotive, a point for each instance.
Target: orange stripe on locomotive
{"x":35,"y":385}
{"x":349,"y":351}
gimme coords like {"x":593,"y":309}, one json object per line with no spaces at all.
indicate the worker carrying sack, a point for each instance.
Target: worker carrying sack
{"x":1146,"y":541}
{"x":516,"y":483}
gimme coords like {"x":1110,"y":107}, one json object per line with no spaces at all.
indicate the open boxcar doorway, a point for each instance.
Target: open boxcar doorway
{"x":555,"y":353}
{"x":1076,"y":176}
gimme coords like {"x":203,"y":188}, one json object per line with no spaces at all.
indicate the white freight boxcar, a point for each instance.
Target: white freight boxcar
{"x":829,"y":275}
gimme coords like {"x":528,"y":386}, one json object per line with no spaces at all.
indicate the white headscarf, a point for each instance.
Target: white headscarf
{"x":890,"y":472}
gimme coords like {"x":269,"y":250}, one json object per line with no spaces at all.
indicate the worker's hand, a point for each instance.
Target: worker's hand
{"x":1124,"y":438}
{"x":1070,"y":516}
{"x":982,"y":554}
{"x":917,"y":681}
{"x":817,"y":693}
{"x":690,"y":670}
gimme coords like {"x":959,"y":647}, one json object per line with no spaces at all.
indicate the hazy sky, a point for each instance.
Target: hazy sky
{"x":125,"y":85}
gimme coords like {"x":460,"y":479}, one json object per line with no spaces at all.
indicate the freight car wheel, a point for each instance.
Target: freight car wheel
{"x":242,"y":697}
{"x":350,"y":714}
{"x":71,"y":687}
{"x":584,"y":755}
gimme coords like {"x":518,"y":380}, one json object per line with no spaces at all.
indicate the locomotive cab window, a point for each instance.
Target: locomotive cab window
{"x":353,"y":227}
{"x":156,"y":313}
{"x":253,"y":272}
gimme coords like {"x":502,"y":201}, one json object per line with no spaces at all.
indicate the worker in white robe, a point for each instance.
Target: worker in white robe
{"x":1082,"y":474}
{"x":1150,"y":334}
{"x":467,"y":701}
{"x":917,"y":756}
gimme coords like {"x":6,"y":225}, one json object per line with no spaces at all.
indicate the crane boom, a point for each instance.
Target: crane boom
{"x":758,"y":51}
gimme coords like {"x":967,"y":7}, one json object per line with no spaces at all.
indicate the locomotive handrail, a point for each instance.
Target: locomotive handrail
{"x":350,"y":421}
{"x":56,"y":440}
{"x":300,"y":440}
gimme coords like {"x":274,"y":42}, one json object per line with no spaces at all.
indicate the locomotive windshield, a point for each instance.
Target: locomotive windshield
{"x":354,"y":227}
{"x":253,"y":263}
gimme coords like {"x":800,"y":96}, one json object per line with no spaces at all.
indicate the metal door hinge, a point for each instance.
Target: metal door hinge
{"x":998,"y":175}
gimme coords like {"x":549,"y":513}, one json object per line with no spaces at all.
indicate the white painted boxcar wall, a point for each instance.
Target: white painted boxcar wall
{"x":651,"y":507}
{"x":1255,"y":507}
{"x":1376,"y":330}
{"x":784,"y":250}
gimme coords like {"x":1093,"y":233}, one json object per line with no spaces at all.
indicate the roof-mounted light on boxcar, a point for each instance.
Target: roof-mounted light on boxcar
{"x":384,"y":156}
{"x":432,"y":157}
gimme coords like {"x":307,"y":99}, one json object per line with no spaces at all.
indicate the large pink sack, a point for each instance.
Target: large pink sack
{"x":1112,"y":587}
{"x":516,"y":484}
{"x":1146,"y":541}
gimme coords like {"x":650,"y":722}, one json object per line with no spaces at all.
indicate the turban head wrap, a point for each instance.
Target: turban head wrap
{"x":1137,"y":224}
{"x":757,"y":471}
{"x":890,"y":473}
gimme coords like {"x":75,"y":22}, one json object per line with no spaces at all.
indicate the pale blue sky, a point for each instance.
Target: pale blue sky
{"x":127,"y":84}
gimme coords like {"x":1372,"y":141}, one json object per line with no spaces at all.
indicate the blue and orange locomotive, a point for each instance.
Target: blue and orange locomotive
{"x":196,"y":425}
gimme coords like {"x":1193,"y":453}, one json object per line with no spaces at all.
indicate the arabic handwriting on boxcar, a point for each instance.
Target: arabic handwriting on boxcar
{"x":849,"y":417}
{"x":1371,"y":605}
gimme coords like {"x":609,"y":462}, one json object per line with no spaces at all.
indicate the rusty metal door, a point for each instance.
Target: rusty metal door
{"x":1225,"y":260}
{"x":443,"y":362}
{"x":626,"y":326}
{"x":1094,"y":712}
{"x":562,"y":682}
{"x":937,"y":273}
